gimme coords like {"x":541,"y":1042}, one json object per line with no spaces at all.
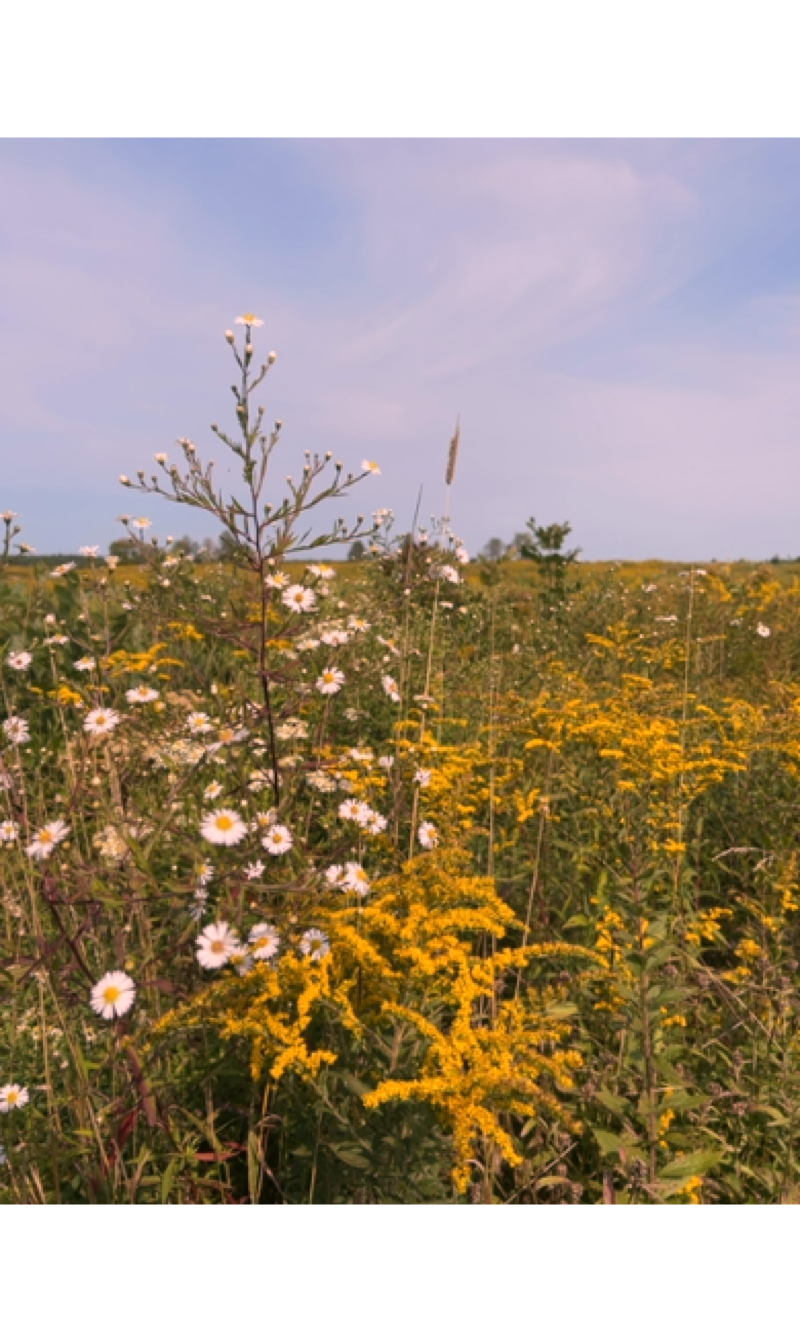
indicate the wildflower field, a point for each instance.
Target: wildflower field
{"x":408,"y":880}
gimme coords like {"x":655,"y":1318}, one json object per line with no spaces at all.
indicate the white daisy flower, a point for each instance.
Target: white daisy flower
{"x":361,"y":756}
{"x":229,"y":736}
{"x":58,"y":639}
{"x":249,"y":319}
{"x":358,"y":625}
{"x":19,"y":661}
{"x":390,"y":688}
{"x":259,"y":780}
{"x":323,"y":571}
{"x":277,"y":840}
{"x":376,"y":824}
{"x":46,"y":838}
{"x":349,"y":810}
{"x":422,"y":777}
{"x":13,"y":1097}
{"x":277,"y":580}
{"x":101,"y":721}
{"x":216,"y":944}
{"x":371,"y":466}
{"x":299,"y":598}
{"x":334,"y":874}
{"x":462,"y":555}
{"x":265,"y":941}
{"x":61,"y":571}
{"x":90,"y":551}
{"x":142,"y":523}
{"x":9,"y":831}
{"x":142,"y":695}
{"x":355,"y":878}
{"x":427,"y":835}
{"x":223,"y":827}
{"x":331,"y":680}
{"x":16,"y":730}
{"x":254,"y":871}
{"x":205,"y":874}
{"x":335,"y":638}
{"x":762,"y":630}
{"x":448,"y":574}
{"x":315,"y":944}
{"x":86,"y":664}
{"x":386,"y":762}
{"x":114,"y":995}
{"x":320,"y":781}
{"x":212,"y":791}
{"x":199,"y":722}
{"x":307,"y":644}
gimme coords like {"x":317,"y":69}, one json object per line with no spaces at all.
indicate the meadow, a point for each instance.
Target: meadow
{"x":419,"y":879}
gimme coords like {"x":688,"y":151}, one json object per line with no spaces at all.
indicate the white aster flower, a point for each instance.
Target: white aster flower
{"x":62,"y":570}
{"x":9,"y":831}
{"x":277,"y":840}
{"x":371,"y":466}
{"x":390,"y":688}
{"x":13,"y":1097}
{"x":86,"y":664}
{"x":46,"y":838}
{"x":314,"y":944}
{"x":254,"y":871}
{"x":223,"y":827}
{"x":114,"y":995}
{"x":19,"y":661}
{"x":264,"y":940}
{"x":101,"y":721}
{"x":422,"y":777}
{"x":355,"y":879}
{"x":386,"y":762}
{"x":427,"y":835}
{"x":142,"y":695}
{"x":90,"y":551}
{"x":16,"y":729}
{"x":216,"y":944}
{"x":299,"y":598}
{"x":331,"y":680}
{"x":763,"y":631}
{"x":199,"y":722}
{"x":212,"y":791}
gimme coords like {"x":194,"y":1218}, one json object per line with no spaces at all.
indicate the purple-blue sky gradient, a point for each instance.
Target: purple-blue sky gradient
{"x":618,"y":323}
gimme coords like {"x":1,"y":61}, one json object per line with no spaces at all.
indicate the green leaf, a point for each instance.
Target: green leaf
{"x":615,"y":1103}
{"x":686,"y":1167}
{"x":561,"y":1010}
{"x":610,"y":1143}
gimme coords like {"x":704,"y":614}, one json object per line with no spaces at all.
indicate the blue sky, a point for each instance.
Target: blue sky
{"x":617,"y":322}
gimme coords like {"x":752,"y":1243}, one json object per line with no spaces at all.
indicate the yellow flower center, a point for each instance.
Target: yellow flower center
{"x":45,"y":836}
{"x":218,"y":947}
{"x":13,"y":1096}
{"x":224,"y":822}
{"x":111,"y":994}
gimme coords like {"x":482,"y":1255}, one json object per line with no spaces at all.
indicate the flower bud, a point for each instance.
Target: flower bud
{"x":123,"y":479}
{"x":271,"y":357}
{"x":229,"y":337}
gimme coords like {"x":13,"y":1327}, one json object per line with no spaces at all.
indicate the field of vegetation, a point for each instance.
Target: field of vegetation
{"x":410,"y":880}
